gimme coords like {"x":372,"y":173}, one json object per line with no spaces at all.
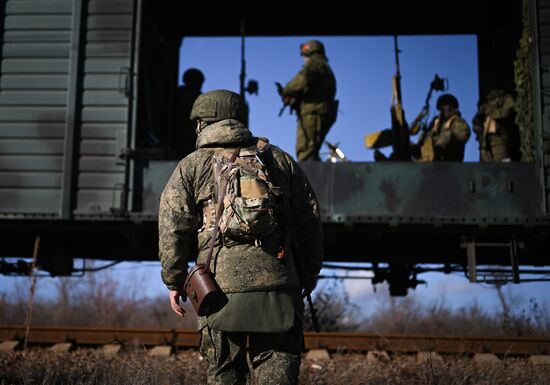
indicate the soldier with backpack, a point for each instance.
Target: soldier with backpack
{"x":246,"y":207}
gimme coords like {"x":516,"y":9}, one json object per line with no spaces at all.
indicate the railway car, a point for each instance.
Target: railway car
{"x":84,"y":83}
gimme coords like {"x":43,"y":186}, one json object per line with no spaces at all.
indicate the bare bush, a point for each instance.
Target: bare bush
{"x":335,"y":311}
{"x":409,"y":315}
{"x":97,"y":299}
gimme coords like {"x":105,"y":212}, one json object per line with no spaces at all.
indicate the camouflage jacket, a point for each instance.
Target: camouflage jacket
{"x":314,"y":86}
{"x":449,"y":137}
{"x":495,"y":119}
{"x":243,"y":267}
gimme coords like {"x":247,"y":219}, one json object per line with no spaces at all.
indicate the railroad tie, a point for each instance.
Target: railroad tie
{"x":486,"y":359}
{"x":9,"y":346}
{"x":64,"y":347}
{"x":111,"y":349}
{"x":540,"y":359}
{"x":161,"y":351}
{"x":317,"y":355}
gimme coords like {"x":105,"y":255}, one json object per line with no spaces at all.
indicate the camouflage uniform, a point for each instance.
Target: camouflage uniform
{"x":495,"y":128}
{"x":264,"y":299}
{"x":315,"y":88}
{"x":447,"y":134}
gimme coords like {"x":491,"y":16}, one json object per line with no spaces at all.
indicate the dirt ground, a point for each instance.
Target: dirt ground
{"x":91,"y":367}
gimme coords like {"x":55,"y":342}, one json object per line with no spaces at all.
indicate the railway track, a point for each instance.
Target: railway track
{"x":80,"y":336}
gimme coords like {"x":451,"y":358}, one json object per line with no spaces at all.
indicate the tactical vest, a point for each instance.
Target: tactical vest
{"x":250,"y":198}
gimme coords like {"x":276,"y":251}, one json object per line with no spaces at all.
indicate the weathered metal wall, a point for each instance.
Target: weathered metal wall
{"x":105,"y":104}
{"x":406,"y":193}
{"x":65,"y":93}
{"x":33,"y":104}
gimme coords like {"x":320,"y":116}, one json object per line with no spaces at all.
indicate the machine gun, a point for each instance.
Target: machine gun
{"x":438,"y":84}
{"x":336,"y":155}
{"x":398,"y":135}
{"x":289,"y":101}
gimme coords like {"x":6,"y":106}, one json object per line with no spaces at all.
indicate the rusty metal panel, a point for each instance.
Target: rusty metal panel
{"x":411,"y":192}
{"x":393,"y":192}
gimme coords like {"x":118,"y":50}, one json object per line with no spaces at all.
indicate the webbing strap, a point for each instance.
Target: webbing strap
{"x":219,"y":208}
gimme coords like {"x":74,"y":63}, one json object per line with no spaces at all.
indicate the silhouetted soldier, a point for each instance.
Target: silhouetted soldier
{"x":447,"y":134}
{"x":185,"y":135}
{"x":314,"y":89}
{"x":495,"y":127}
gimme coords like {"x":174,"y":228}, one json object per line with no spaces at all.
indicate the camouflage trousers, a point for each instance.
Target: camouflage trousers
{"x":310,"y":135}
{"x":275,"y":357}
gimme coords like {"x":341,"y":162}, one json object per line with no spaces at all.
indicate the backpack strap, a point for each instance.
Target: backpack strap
{"x":219,"y":209}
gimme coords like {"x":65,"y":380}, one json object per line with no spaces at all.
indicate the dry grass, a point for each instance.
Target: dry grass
{"x":404,"y":370}
{"x":89,"y":367}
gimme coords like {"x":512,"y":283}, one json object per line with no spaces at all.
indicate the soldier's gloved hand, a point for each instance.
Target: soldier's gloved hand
{"x":175,"y":301}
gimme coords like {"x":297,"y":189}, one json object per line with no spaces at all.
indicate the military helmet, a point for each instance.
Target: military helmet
{"x":312,"y":47}
{"x":193,"y":76}
{"x":217,"y":105}
{"x":447,"y":99}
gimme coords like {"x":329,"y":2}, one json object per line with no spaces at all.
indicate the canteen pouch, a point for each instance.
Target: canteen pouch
{"x":202,"y":290}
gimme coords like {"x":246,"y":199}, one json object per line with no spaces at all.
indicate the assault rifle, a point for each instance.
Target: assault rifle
{"x":289,"y":101}
{"x":398,"y":135}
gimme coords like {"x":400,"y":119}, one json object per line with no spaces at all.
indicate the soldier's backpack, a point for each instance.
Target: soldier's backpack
{"x":250,"y":199}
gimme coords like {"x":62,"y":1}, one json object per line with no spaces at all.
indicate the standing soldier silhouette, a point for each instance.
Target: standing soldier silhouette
{"x":313,"y":90}
{"x":495,"y":127}
{"x":248,"y":205}
{"x":185,"y":136}
{"x":446,"y":136}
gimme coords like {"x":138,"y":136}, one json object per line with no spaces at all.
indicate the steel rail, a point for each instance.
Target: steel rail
{"x":330,"y":341}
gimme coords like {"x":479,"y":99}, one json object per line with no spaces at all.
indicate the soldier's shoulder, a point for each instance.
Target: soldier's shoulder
{"x":458,"y":122}
{"x":196,"y":158}
{"x":280,"y":154}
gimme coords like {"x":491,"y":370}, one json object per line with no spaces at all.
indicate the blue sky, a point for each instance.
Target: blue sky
{"x":363,"y":67}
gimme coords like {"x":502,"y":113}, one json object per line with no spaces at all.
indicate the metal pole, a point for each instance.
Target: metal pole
{"x":28,"y":316}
